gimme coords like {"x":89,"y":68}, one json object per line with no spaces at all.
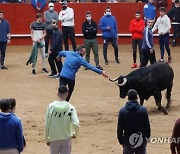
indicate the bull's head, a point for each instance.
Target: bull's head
{"x":121,"y":81}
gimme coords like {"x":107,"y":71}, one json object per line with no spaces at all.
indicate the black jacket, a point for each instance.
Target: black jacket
{"x":133,"y":118}
{"x":89,"y":30}
{"x":56,"y":41}
{"x":174,"y":14}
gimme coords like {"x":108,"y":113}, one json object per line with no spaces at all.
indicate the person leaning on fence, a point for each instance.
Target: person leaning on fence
{"x":133,"y":123}
{"x":61,"y":124}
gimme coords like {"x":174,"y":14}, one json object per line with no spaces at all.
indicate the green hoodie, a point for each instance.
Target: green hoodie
{"x":61,"y":121}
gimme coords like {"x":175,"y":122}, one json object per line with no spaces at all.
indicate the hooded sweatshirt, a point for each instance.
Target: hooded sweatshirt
{"x":11,"y":135}
{"x":108,"y":21}
{"x":133,"y":118}
{"x":61,"y":121}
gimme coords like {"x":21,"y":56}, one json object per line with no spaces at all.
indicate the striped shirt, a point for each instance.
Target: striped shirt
{"x":38,"y":29}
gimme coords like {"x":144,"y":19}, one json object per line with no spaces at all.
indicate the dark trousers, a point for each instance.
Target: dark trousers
{"x":68,"y":32}
{"x":135,"y":43}
{"x":70,"y":83}
{"x":147,"y":56}
{"x":139,"y":150}
{"x":47,"y":38}
{"x":113,"y":41}
{"x":3,"y":51}
{"x":164,"y":42}
{"x":176,"y":31}
{"x":53,"y":61}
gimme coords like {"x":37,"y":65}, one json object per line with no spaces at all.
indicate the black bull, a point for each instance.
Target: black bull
{"x":149,"y":81}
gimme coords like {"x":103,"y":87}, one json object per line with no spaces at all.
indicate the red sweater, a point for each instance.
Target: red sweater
{"x":176,"y":135}
{"x":136,"y":27}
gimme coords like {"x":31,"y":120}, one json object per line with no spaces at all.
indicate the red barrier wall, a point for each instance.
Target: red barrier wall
{"x":20,"y":17}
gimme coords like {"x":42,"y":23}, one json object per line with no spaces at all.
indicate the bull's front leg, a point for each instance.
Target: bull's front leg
{"x":141,"y":100}
{"x":158,"y":97}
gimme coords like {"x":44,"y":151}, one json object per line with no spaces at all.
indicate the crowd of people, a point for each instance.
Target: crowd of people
{"x":61,"y":122}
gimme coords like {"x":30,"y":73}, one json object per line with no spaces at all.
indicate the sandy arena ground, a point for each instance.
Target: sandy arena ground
{"x":96,"y":99}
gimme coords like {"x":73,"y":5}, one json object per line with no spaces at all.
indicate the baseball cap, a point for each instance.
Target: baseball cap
{"x":64,"y":2}
{"x":51,"y":4}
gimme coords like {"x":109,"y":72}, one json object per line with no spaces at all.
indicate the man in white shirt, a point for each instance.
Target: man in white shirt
{"x":163,"y":25}
{"x":66,"y":16}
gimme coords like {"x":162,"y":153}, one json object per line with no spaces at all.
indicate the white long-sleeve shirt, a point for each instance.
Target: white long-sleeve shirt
{"x":67,"y":17}
{"x":163,"y":25}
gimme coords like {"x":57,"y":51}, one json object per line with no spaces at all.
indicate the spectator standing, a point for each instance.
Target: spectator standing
{"x":49,"y":15}
{"x":11,"y":133}
{"x":38,"y":34}
{"x":99,"y":1}
{"x":5,"y":38}
{"x":175,"y":145}
{"x":133,"y":125}
{"x":66,"y":16}
{"x":72,"y":63}
{"x":149,"y":11}
{"x":89,"y":30}
{"x":163,"y":25}
{"x":174,"y":15}
{"x":12,"y":110}
{"x":61,"y":120}
{"x":38,"y":4}
{"x":148,"y":52}
{"x":141,"y":1}
{"x":108,"y":25}
{"x":56,"y":47}
{"x":136,"y":28}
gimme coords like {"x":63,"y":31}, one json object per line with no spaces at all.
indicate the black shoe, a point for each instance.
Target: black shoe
{"x":33,"y":71}
{"x":106,"y":62}
{"x":44,"y":70}
{"x":52,"y":75}
{"x":99,"y":67}
{"x":117,"y":60}
{"x":4,"y":67}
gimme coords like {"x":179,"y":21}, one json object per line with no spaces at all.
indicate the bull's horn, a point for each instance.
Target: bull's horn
{"x":124,"y":82}
{"x":113,"y":80}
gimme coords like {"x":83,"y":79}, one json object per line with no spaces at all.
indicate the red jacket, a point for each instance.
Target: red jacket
{"x":136,"y":28}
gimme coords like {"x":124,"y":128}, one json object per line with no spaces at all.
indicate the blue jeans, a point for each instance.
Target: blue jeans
{"x":164,"y":42}
{"x":113,"y":41}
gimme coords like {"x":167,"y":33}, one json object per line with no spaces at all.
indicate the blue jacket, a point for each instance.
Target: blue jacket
{"x":148,"y":42}
{"x":149,"y":11}
{"x":35,"y":2}
{"x":133,"y":118}
{"x":72,"y":63}
{"x":11,"y":134}
{"x":108,"y":21}
{"x":4,"y":30}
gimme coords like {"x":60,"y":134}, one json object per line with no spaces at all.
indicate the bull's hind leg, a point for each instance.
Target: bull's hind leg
{"x":168,"y":95}
{"x":158,"y":97}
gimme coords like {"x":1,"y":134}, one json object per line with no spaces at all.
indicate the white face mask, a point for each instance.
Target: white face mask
{"x":88,"y":18}
{"x":108,"y":13}
{"x":51,"y":8}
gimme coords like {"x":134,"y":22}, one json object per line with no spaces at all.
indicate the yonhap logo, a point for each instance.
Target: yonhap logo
{"x":136,"y":140}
